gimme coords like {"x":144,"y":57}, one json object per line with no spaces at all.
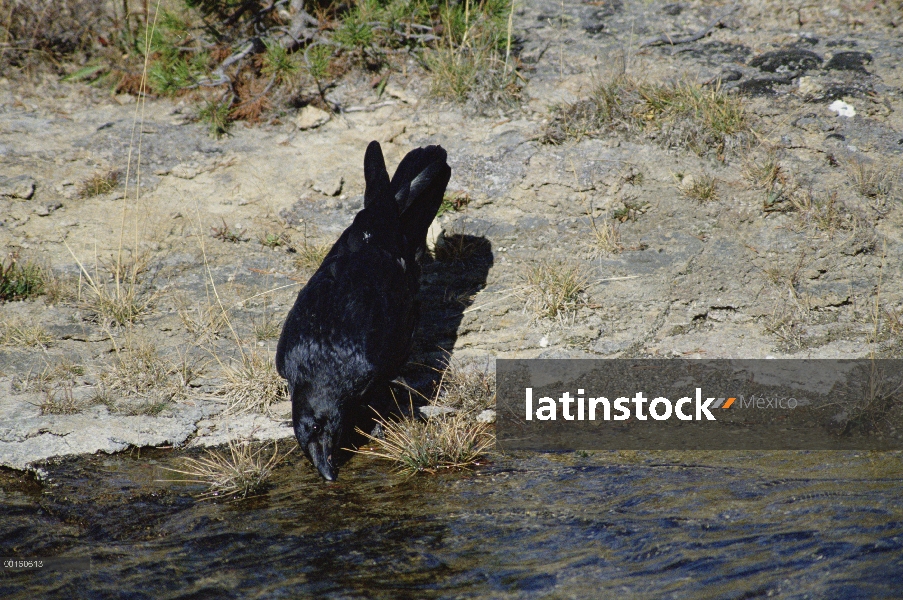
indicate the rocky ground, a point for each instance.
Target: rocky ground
{"x":807,"y":264}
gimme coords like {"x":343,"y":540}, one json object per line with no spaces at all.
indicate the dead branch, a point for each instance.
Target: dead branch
{"x":673,"y":41}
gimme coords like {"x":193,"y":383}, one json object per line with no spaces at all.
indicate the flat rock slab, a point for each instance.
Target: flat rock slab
{"x":31,"y":440}
{"x":21,"y":186}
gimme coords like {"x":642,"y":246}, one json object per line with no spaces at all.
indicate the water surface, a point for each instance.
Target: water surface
{"x":638,"y":524}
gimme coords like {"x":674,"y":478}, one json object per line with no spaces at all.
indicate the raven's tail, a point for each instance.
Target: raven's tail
{"x":418,"y":187}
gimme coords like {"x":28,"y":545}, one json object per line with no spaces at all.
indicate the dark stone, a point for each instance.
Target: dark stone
{"x":838,"y":92}
{"x":836,"y":136}
{"x":849,"y":61}
{"x":673,"y":9}
{"x":787,"y":60}
{"x":758,"y":87}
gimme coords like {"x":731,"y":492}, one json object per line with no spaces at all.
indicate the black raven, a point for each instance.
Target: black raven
{"x":351,"y":329}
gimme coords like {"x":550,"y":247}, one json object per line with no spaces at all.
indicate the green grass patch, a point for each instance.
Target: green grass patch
{"x":453,"y":202}
{"x":19,"y":280}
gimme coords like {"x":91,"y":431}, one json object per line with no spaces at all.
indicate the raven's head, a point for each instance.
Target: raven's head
{"x":320,"y":429}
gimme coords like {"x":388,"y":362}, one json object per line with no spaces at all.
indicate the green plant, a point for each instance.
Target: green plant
{"x":453,"y":202}
{"x":176,"y":61}
{"x":355,"y":32}
{"x":629,"y":210}
{"x":468,"y":61}
{"x":216,"y":115}
{"x":278,"y":63}
{"x":317,"y":59}
{"x":228,"y":234}
{"x":274,"y":240}
{"x":19,"y":280}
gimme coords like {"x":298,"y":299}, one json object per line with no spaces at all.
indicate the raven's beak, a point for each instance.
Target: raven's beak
{"x":321,"y":456}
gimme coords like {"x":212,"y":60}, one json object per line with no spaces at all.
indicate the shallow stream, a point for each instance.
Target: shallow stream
{"x":633,"y":524}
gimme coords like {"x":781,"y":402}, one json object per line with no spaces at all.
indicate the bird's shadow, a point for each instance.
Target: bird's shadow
{"x":451,"y":279}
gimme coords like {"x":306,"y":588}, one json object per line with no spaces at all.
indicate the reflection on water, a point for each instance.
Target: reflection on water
{"x":653,"y":524}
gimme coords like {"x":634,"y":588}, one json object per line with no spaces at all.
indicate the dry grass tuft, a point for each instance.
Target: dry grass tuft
{"x":309,"y":255}
{"x":203,"y":319}
{"x":555,"y":289}
{"x":606,"y":238}
{"x":466,"y":386}
{"x":764,"y":172}
{"x":99,"y":183}
{"x":59,"y":400}
{"x":471,"y":61}
{"x":872,"y":180}
{"x":41,"y":35}
{"x":459,"y":247}
{"x":227,"y":233}
{"x":115,"y":295}
{"x":117,"y":304}
{"x":877,"y":405}
{"x":782,"y":191}
{"x":681,"y":113}
{"x":55,"y":383}
{"x":445,"y":442}
{"x":236,"y":474}
{"x":24,"y":333}
{"x":59,"y":287}
{"x":893,"y":320}
{"x":702,"y":189}
{"x":253,"y":385}
{"x":146,"y":381}
{"x":268,"y":327}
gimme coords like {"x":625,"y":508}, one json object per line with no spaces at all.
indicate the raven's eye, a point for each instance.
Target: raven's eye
{"x":316,"y":428}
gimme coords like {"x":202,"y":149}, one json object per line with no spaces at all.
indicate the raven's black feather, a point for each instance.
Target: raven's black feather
{"x":351,"y":328}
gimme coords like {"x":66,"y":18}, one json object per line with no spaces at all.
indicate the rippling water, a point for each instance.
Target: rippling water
{"x":638,"y":524}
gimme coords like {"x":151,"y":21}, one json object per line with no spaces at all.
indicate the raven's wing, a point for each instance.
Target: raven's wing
{"x":418,"y":187}
{"x":351,"y":326}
